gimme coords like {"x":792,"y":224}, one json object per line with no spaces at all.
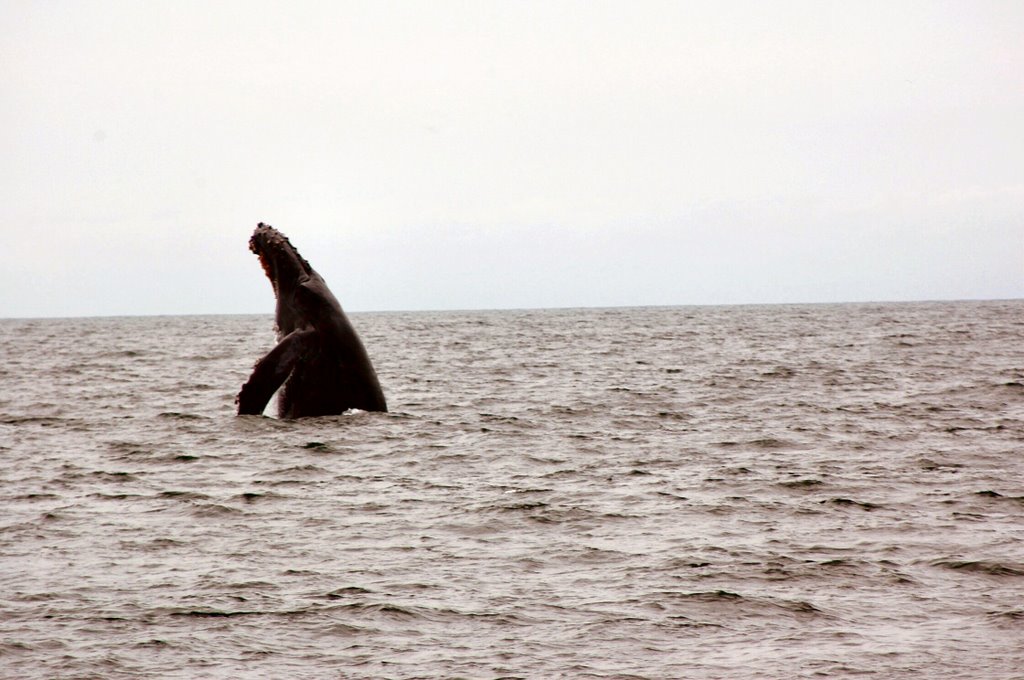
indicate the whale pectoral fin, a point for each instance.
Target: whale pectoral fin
{"x":271,"y":371}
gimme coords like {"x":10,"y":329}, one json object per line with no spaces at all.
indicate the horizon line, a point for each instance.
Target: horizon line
{"x":519,"y":309}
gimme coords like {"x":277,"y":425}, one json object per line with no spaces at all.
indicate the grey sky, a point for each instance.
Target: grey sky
{"x":433,"y":155}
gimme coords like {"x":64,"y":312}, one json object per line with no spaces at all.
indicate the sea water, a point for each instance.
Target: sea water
{"x":689,"y":492}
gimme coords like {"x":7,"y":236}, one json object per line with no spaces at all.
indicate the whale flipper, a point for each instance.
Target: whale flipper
{"x":272,"y":370}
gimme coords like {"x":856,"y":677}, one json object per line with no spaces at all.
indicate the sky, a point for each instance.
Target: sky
{"x":479,"y":155}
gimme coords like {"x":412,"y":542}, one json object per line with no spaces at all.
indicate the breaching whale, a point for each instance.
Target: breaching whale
{"x":319,"y":359}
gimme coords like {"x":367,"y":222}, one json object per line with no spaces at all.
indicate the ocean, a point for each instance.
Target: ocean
{"x":778,"y":491}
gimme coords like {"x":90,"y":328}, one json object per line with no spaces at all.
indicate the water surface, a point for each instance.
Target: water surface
{"x":733,"y":492}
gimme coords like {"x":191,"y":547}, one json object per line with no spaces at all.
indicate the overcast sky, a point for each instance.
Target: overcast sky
{"x":439,"y":155}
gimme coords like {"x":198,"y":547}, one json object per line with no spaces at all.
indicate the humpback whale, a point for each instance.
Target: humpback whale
{"x":319,"y":362}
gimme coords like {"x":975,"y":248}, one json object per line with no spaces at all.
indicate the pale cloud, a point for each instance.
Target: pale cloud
{"x":510,"y":154}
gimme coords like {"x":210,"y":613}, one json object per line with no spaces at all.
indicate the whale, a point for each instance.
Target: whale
{"x":319,"y":366}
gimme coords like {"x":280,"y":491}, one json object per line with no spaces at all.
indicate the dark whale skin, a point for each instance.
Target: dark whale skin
{"x":319,"y":364}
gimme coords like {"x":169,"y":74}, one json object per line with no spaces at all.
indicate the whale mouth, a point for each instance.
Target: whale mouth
{"x":280,"y":260}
